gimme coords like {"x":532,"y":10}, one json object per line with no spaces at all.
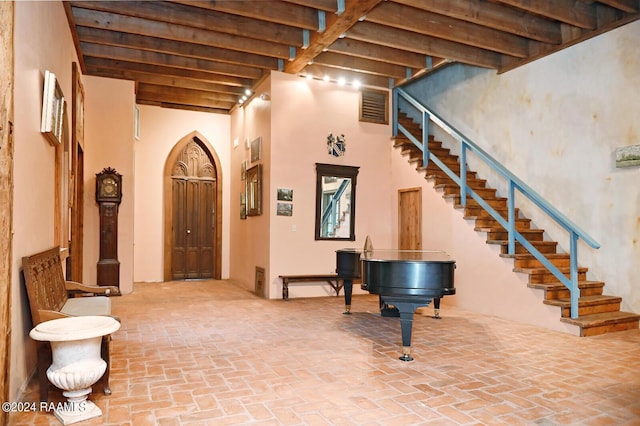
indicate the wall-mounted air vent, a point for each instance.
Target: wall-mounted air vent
{"x":374,"y":106}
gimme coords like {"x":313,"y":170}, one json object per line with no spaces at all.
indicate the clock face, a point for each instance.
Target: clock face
{"x":109,"y":187}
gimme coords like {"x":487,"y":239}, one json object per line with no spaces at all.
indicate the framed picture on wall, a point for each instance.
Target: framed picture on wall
{"x":256,"y":149}
{"x":243,"y":170}
{"x":53,"y":104}
{"x":285,"y":194}
{"x":254,"y":190}
{"x":243,"y":205}
{"x":284,"y":209}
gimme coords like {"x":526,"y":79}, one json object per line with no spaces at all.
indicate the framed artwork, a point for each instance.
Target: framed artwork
{"x":285,"y":194}
{"x":243,"y":170}
{"x":256,"y":149}
{"x":254,"y":190}
{"x":53,"y":104}
{"x":284,"y":209}
{"x":243,"y":205}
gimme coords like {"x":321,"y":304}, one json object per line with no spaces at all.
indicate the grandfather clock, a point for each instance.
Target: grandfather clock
{"x":108,"y":196}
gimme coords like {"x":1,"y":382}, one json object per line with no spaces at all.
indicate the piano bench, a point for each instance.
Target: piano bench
{"x":332,"y":279}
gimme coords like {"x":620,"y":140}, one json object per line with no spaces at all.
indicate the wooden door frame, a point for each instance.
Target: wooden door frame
{"x":168,"y":203}
{"x":76,"y":186}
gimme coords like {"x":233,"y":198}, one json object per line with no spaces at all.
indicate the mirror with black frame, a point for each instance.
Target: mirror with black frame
{"x":335,"y":202}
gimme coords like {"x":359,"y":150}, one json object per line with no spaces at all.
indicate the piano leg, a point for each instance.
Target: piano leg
{"x":406,"y":323}
{"x":436,"y":308}
{"x":348,"y":290}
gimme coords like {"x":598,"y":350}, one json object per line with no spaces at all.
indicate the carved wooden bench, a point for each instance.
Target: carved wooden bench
{"x":332,"y":279}
{"x":51,"y":297}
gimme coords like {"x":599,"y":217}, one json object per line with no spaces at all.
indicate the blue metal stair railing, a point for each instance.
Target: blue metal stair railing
{"x":513,"y":184}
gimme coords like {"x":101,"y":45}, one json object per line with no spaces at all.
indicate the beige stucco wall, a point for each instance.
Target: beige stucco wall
{"x":108,"y":142}
{"x":294,"y":123}
{"x":160,"y":130}
{"x":251,"y":237}
{"x":37,"y":26}
{"x":556,"y":124}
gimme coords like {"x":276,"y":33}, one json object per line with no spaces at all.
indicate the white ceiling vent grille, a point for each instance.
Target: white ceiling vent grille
{"x":374,"y":106}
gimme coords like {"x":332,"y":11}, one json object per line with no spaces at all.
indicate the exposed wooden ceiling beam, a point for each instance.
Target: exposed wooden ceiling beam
{"x":155,"y":58}
{"x":407,"y":40}
{"x":183,"y":106}
{"x":178,"y":14}
{"x":108,"y":64}
{"x":270,"y":11}
{"x":336,"y":25}
{"x":187,"y":83}
{"x":115,"y":38}
{"x":629,"y":6}
{"x":570,"y":12}
{"x":366,"y":50}
{"x":131,"y":25}
{"x":319,"y":71}
{"x":337,"y":60}
{"x":325,"y":5}
{"x":182,"y":95}
{"x":433,"y":24}
{"x":493,"y":15}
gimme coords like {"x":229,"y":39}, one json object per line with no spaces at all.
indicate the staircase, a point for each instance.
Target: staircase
{"x":597,"y":313}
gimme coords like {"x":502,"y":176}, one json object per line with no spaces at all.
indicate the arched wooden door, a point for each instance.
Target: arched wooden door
{"x":194,"y":214}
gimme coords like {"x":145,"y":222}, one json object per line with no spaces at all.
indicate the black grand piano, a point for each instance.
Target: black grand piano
{"x":406,"y":279}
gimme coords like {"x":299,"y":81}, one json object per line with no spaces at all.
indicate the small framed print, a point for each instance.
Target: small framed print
{"x":284,"y":209}
{"x":256,"y":149}
{"x":254,"y":190}
{"x":53,"y":106}
{"x":243,"y":170}
{"x":285,"y":194}
{"x":243,"y":205}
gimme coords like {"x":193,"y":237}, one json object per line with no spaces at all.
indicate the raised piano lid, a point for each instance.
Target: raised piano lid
{"x":392,"y":255}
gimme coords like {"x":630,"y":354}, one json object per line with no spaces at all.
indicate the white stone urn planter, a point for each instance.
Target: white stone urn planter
{"x":77,"y":365}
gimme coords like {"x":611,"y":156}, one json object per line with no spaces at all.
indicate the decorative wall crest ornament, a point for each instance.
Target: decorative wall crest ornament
{"x":336,"y":145}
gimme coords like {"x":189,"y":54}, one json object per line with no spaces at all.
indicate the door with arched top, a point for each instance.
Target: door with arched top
{"x":193,"y":194}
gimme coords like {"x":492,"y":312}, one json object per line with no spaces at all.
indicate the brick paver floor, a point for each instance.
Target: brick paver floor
{"x":211,"y":353}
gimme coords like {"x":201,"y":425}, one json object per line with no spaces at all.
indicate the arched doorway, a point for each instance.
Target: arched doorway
{"x":193,"y":211}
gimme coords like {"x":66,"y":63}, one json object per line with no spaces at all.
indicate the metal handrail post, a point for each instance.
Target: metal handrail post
{"x":573,"y":260}
{"x":511,"y":212}
{"x":463,"y":175}
{"x":425,"y":139}
{"x":394,"y":111}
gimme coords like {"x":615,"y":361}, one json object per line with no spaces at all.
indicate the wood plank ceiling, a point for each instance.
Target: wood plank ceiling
{"x":204,"y":55}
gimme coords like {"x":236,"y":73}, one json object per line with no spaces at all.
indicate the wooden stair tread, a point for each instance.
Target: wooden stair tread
{"x":536,"y":271}
{"x":603,"y":318}
{"x":527,"y":256}
{"x":559,"y":286}
{"x":501,"y":229}
{"x":583,"y":301}
{"x":533,"y":243}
